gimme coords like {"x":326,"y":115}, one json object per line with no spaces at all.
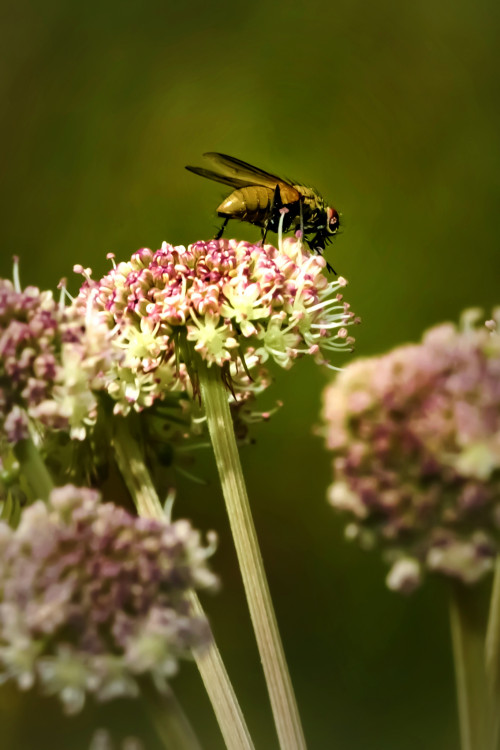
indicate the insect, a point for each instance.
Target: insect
{"x":258,"y":198}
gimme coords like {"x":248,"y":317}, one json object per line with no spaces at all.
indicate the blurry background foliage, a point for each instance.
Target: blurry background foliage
{"x":392,"y":111}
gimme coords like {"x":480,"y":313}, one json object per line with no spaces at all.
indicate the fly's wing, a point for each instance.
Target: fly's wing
{"x":242,"y":171}
{"x":225,"y":179}
{"x":238,"y":174}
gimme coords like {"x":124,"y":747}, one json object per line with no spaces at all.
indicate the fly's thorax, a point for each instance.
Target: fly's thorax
{"x":311,"y":199}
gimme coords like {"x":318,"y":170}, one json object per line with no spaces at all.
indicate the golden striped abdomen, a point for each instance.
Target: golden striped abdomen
{"x":248,"y":204}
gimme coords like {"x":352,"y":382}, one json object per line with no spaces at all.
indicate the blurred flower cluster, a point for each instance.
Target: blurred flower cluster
{"x":91,"y":598}
{"x":416,"y":441}
{"x":236,"y":304}
{"x":52,"y":359}
{"x":102,"y":740}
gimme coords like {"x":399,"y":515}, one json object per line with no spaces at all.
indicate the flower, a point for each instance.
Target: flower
{"x":52,"y":359}
{"x":416,"y":441}
{"x":92,"y":597}
{"x":236,"y":304}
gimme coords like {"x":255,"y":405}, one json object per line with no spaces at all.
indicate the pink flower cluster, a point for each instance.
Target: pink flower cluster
{"x":416,"y":441}
{"x":236,"y":304}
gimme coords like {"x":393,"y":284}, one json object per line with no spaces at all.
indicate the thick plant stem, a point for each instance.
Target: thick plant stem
{"x":468,"y":623}
{"x":492,"y":651}
{"x":209,"y":661}
{"x":214,"y":398}
{"x":171,"y":724}
{"x":34,"y":469}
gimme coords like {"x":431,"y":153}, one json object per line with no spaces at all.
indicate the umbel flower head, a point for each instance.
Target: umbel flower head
{"x":92,"y":597}
{"x":51,"y":359}
{"x":236,"y":304}
{"x":416,"y":441}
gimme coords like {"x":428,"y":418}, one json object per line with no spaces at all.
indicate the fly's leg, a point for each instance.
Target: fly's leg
{"x":221,"y":230}
{"x":329,"y":268}
{"x":301,"y":210}
{"x":273,"y":215}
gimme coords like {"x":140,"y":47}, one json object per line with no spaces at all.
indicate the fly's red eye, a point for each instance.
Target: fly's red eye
{"x":333,"y":219}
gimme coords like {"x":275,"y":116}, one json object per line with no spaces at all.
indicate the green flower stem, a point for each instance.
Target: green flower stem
{"x":220,"y":690}
{"x":492,"y":651}
{"x":230,"y":718}
{"x":171,"y":724}
{"x":130,"y":459}
{"x":468,"y":623}
{"x":214,"y":398}
{"x":34,"y":469}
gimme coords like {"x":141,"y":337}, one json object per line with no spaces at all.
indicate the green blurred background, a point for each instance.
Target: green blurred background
{"x":392,"y":111}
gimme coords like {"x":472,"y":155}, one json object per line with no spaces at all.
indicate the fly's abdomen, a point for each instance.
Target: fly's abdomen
{"x":250,"y":204}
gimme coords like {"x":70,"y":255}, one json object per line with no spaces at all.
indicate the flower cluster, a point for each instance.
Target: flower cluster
{"x":51,"y":359}
{"x":238,"y":305}
{"x":416,"y":438}
{"x":102,"y":740}
{"x":92,"y":597}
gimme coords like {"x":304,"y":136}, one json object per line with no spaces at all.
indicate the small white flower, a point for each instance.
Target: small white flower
{"x":212,"y":337}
